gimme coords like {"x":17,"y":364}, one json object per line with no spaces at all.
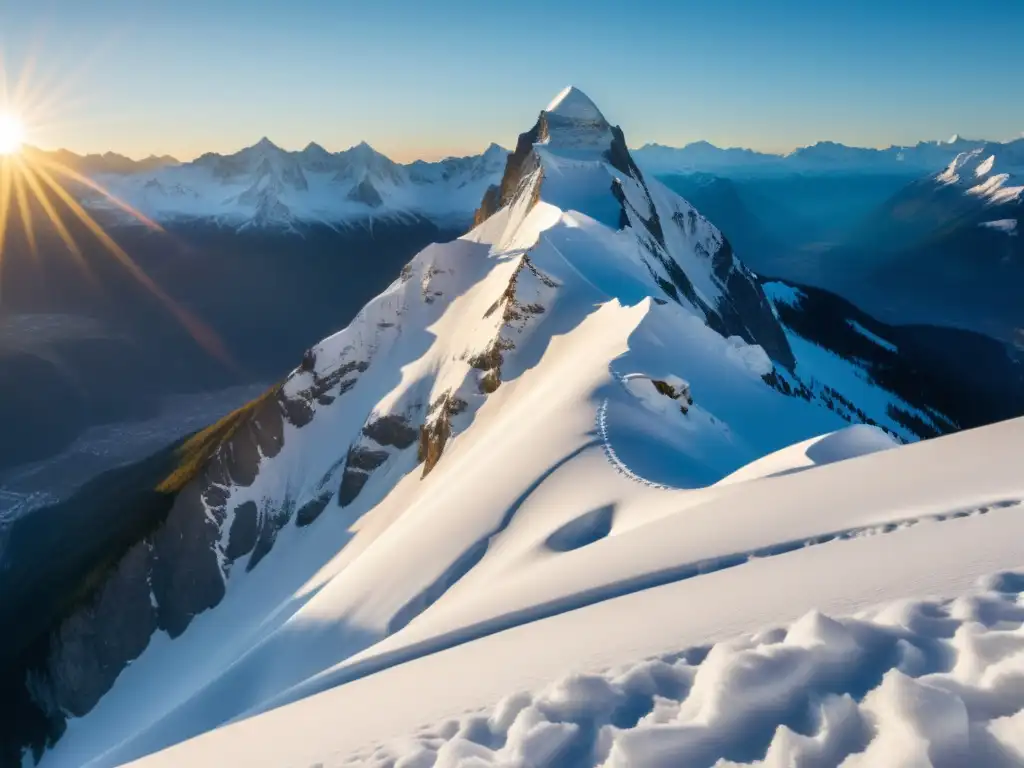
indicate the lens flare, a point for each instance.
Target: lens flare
{"x":12,"y":134}
{"x":37,"y":188}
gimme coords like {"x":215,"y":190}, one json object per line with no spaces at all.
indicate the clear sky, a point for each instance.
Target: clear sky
{"x":439,"y":77}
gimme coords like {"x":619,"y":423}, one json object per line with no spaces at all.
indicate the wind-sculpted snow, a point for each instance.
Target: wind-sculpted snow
{"x":933,"y":682}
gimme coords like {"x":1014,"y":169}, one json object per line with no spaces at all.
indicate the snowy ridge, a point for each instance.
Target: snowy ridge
{"x":527,"y":428}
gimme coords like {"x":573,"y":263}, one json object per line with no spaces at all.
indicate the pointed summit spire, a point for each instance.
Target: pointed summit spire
{"x":574,"y":104}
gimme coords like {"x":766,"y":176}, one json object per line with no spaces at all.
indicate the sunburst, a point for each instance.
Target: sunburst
{"x":32,"y":179}
{"x":12,"y":133}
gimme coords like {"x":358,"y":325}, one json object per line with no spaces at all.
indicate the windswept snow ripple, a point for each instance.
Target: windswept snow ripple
{"x":933,"y":682}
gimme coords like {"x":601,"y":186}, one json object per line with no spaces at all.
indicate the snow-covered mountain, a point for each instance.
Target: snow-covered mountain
{"x":821,"y":157}
{"x":108,"y":162}
{"x":571,"y":417}
{"x":266,"y":186}
{"x":992,"y":173}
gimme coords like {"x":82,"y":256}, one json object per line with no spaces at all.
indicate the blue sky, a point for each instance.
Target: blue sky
{"x":440,"y":77}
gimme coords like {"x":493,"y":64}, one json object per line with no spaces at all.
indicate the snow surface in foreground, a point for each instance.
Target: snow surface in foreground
{"x":724,"y":637}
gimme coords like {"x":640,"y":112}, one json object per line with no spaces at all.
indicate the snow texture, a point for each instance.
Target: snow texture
{"x":932,"y":682}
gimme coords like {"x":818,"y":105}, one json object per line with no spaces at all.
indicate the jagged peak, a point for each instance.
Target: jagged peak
{"x":265,"y":144}
{"x":314,"y":148}
{"x":363,"y":148}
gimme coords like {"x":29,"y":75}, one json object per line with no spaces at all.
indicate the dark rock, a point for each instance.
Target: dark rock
{"x":244,"y":529}
{"x":746,"y":312}
{"x":308,"y":361}
{"x":519,"y":164}
{"x":311,"y":510}
{"x":490,"y":381}
{"x":272,"y":521}
{"x":433,"y":437}
{"x":391,"y":430}
{"x":91,"y":648}
{"x":296,"y":410}
{"x":488,"y":206}
{"x":364,"y":192}
{"x":366,"y":459}
{"x":186,"y":576}
{"x":352,"y":482}
{"x":491,"y":358}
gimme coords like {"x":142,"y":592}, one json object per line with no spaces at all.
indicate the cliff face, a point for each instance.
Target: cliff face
{"x":146,"y":548}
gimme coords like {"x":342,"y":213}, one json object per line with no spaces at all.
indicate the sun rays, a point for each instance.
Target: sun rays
{"x":37,"y":190}
{"x":12,"y":133}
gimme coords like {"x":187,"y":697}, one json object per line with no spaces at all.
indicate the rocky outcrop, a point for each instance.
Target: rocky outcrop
{"x":381,"y":438}
{"x":518,"y":166}
{"x":437,"y":429}
{"x":744,"y":310}
{"x":676,"y":389}
{"x":165,"y":565}
{"x":364,"y":192}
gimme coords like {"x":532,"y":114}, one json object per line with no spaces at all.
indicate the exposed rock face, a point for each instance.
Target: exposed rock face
{"x":676,"y":389}
{"x":520,"y":164}
{"x":489,"y":206}
{"x":437,"y":429}
{"x":381,"y":438}
{"x":364,"y":192}
{"x":163,"y":575}
{"x":741,"y":309}
{"x":744,"y":310}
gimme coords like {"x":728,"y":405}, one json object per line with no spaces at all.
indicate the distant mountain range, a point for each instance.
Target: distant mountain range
{"x":940,"y":248}
{"x":822,"y":157}
{"x":265,"y":185}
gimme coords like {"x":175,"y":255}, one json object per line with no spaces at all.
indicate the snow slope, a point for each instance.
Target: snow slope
{"x":926,"y":667}
{"x":531,"y":441}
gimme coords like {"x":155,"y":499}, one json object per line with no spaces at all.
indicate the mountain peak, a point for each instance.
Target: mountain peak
{"x":265,"y":143}
{"x":314,"y":148}
{"x":574,"y":104}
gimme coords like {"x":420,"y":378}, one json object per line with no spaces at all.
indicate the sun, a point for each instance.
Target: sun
{"x":12,"y":134}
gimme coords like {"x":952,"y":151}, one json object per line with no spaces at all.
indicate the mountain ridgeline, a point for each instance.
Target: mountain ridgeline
{"x":678,"y":340}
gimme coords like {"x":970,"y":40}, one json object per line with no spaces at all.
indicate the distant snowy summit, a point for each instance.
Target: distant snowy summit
{"x":994,"y":172}
{"x":266,"y":186}
{"x":822,"y":157}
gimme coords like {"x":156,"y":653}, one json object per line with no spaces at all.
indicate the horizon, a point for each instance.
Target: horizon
{"x":632,"y":147}
{"x":115,"y":77}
